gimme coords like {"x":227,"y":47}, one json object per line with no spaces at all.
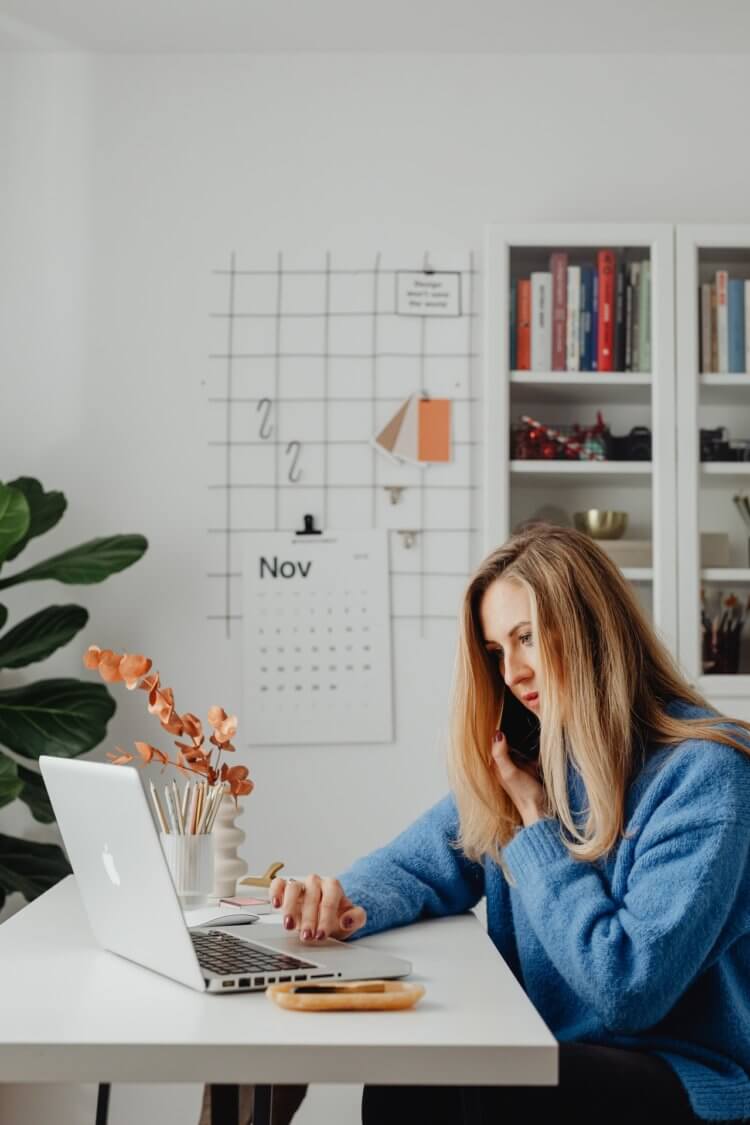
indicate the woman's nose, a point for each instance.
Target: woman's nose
{"x":516,"y":672}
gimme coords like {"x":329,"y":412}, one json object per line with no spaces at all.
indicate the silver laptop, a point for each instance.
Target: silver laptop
{"x":133,"y":908}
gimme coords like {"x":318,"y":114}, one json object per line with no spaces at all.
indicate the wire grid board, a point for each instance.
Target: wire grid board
{"x":308,"y":363}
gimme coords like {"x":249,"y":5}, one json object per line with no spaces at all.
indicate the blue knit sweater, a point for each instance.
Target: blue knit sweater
{"x":646,"y":949}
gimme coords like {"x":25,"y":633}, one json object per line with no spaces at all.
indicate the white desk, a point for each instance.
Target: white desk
{"x":73,"y":1013}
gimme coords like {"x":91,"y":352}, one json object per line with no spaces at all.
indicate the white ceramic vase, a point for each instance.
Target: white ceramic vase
{"x":228,"y":867}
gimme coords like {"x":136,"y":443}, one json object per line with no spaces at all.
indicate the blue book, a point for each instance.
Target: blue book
{"x":512,"y":327}
{"x":736,"y":317}
{"x":587,"y":323}
{"x":594,"y":319}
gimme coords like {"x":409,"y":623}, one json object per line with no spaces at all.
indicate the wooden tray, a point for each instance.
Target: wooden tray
{"x":345,"y":996}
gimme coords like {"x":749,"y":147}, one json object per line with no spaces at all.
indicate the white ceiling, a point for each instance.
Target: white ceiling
{"x":496,"y":26}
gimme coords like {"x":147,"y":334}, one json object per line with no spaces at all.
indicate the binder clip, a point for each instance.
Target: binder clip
{"x":309,"y":527}
{"x":408,"y":538}
{"x":394,"y":491}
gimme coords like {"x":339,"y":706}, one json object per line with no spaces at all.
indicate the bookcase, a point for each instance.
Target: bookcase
{"x":709,"y":400}
{"x":519,"y":490}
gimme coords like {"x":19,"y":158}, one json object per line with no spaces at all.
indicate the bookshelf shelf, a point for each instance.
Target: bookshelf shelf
{"x":518,"y":490}
{"x":705,"y":488}
{"x":588,"y":387}
{"x":595,"y":472}
{"x":638,"y":573}
{"x":726,"y":574}
{"x":725,"y":468}
{"x":726,"y":688}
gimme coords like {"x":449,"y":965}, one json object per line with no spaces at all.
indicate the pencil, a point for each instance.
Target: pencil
{"x":171,"y":814}
{"x":192,"y":807}
{"x":159,"y":810}
{"x":177,"y":807}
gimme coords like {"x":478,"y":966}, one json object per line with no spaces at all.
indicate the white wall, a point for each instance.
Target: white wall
{"x":125,"y":180}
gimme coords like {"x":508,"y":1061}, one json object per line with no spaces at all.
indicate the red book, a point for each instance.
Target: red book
{"x":523,"y":326}
{"x":605,"y":354}
{"x":558,"y":264}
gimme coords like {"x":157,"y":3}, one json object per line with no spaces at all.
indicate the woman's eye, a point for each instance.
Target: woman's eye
{"x":525,"y":639}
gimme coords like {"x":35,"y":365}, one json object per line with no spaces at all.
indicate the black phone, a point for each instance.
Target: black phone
{"x":521,"y":728}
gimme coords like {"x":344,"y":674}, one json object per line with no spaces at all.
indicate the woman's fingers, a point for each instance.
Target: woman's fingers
{"x":352,"y":919}
{"x":276,"y":891}
{"x":332,"y":896}
{"x":291,"y":903}
{"x":317,"y":907}
{"x":308,"y":926}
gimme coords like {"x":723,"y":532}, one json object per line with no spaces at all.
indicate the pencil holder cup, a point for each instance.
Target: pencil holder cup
{"x":190,"y":858}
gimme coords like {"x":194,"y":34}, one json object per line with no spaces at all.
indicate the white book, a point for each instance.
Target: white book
{"x":747,"y":326}
{"x":541,"y":321}
{"x":722,"y":318}
{"x":573,"y":326}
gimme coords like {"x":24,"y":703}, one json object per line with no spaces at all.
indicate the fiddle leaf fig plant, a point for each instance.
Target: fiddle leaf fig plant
{"x":62,"y":716}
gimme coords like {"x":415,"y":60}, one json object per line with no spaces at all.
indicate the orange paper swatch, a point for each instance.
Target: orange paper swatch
{"x":434,"y":429}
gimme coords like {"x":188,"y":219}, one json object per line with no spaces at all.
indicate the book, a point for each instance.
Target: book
{"x":573,"y":327}
{"x":705,"y":326}
{"x":558,"y":264}
{"x":605,"y":262}
{"x":594,"y":317}
{"x":629,"y":295}
{"x":541,"y":320}
{"x":620,"y":317}
{"x":523,"y":325}
{"x":635,"y":281}
{"x":714,"y":331}
{"x":736,"y":325}
{"x":585,"y":317}
{"x":722,"y":319}
{"x":644,"y":318}
{"x":512,"y":326}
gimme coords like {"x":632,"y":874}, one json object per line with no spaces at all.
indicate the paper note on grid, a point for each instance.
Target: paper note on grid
{"x":317,"y":638}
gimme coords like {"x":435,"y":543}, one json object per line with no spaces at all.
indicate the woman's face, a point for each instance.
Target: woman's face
{"x":505,"y":613}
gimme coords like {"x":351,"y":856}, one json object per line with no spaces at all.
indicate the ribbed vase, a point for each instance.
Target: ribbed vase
{"x":228,"y":867}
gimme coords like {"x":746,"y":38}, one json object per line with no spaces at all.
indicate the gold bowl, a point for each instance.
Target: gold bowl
{"x":601,"y":523}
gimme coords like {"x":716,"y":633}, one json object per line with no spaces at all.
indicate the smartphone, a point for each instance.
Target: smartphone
{"x":521,"y":728}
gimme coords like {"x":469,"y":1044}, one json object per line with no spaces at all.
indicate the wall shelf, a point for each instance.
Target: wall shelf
{"x":705,"y":488}
{"x":517,"y":490}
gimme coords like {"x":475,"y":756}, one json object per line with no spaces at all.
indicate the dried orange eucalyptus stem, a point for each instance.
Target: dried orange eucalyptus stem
{"x":192,"y":755}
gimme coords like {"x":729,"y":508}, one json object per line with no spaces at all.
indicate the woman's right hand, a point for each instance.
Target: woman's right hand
{"x":317,"y":907}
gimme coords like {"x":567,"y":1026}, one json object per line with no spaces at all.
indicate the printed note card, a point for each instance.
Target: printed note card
{"x":317,"y":638}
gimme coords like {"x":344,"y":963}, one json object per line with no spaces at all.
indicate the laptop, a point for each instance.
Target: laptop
{"x":133,"y":908}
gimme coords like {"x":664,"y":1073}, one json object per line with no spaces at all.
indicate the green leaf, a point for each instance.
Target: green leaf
{"x":34,"y":794}
{"x":62,"y":717}
{"x":10,"y":784}
{"x":15,"y":518}
{"x":45,"y":510}
{"x":89,"y":562}
{"x":39,"y":635}
{"x":3,"y":615}
{"x":29,"y":867}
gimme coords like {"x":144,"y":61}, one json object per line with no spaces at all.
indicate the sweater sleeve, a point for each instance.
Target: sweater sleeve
{"x":631,"y":959}
{"x":420,"y":874}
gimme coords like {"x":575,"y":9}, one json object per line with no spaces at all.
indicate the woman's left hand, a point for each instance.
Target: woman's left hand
{"x":521,"y":783}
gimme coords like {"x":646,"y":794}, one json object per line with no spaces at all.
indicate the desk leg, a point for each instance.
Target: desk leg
{"x":262,"y":1107}
{"x":471,"y":1105}
{"x":102,"y":1103}
{"x":225,"y":1105}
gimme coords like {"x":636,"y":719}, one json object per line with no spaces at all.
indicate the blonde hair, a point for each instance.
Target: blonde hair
{"x":606,"y":680}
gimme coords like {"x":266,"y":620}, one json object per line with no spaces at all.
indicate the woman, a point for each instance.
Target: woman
{"x":604,"y":810}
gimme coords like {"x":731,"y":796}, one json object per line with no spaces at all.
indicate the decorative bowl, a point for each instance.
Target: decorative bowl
{"x":600,"y":523}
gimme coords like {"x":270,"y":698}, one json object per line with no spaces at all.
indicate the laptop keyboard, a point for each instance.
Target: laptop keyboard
{"x":224,"y":954}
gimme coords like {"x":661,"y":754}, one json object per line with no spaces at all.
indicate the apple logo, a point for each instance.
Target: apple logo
{"x":109,"y":865}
